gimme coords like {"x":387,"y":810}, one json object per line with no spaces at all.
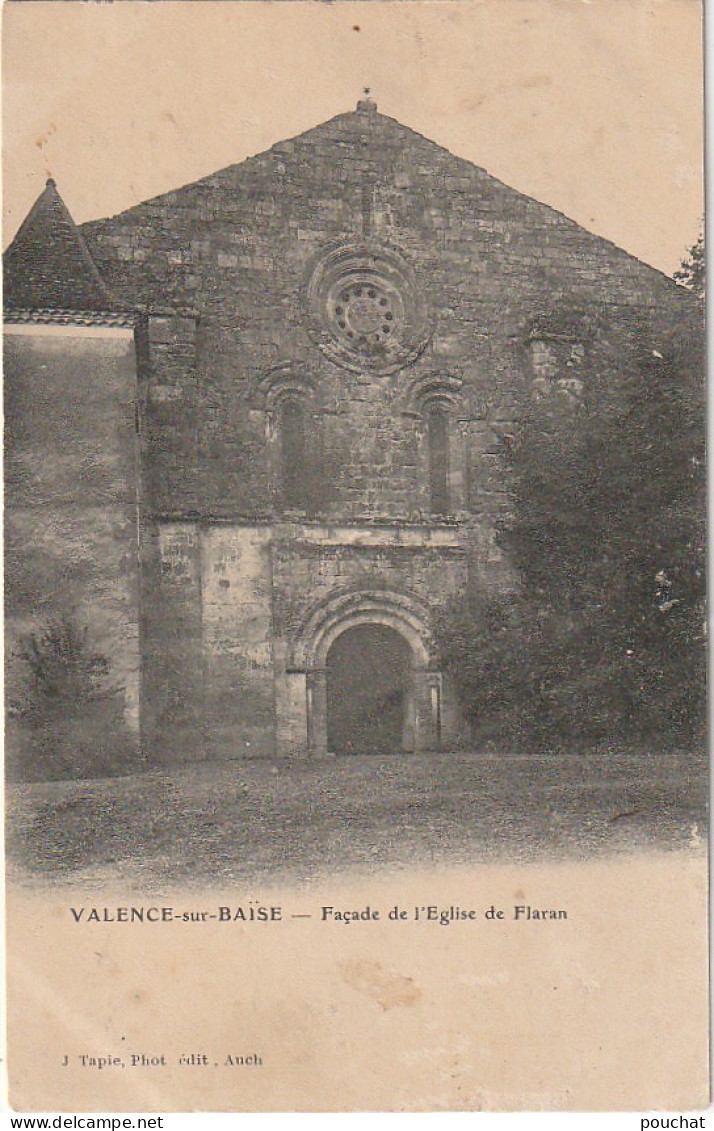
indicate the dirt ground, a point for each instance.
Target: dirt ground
{"x":255,"y":821}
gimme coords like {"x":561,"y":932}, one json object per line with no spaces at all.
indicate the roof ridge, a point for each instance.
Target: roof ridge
{"x":56,"y":316}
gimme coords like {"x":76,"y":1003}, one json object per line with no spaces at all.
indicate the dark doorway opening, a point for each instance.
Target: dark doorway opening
{"x":368,"y":682}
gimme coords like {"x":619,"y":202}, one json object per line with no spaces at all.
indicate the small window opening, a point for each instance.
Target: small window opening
{"x":438,"y":442}
{"x":293,"y":450}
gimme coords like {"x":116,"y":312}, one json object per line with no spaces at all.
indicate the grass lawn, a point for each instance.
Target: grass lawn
{"x":258,"y":820}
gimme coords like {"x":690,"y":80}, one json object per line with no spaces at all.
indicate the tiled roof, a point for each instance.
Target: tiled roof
{"x":15,"y":315}
{"x":48,"y":265}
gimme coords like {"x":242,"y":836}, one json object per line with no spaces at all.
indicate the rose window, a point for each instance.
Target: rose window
{"x":366,"y":307}
{"x":366,"y":313}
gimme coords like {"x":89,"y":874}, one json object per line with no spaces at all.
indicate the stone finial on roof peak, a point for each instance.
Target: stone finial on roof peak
{"x":367,"y":104}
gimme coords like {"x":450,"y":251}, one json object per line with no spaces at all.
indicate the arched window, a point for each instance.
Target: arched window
{"x":294,"y":478}
{"x":434,"y":400}
{"x":437,"y":424}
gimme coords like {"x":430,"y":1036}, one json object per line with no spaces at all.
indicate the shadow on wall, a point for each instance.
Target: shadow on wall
{"x":68,"y":721}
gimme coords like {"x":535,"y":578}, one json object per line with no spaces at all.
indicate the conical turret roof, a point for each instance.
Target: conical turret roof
{"x":48,"y":264}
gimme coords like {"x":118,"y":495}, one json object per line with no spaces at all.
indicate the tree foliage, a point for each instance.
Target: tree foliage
{"x":692,"y":272}
{"x":604,"y":640}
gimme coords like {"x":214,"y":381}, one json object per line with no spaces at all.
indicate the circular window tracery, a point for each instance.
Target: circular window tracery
{"x":367,"y":314}
{"x":367,"y":308}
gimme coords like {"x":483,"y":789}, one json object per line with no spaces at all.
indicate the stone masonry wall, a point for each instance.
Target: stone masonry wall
{"x":236,"y":250}
{"x":313,"y":563}
{"x":509,"y":297}
{"x":71,"y":496}
{"x":229,"y":604}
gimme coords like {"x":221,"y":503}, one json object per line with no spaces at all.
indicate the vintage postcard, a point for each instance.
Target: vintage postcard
{"x":356,"y":751}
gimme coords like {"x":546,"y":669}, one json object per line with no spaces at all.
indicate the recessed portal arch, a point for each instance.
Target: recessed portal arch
{"x":417,"y":684}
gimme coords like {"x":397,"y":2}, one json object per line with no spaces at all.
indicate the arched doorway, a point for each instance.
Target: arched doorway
{"x":369,"y":682}
{"x":415,"y":681}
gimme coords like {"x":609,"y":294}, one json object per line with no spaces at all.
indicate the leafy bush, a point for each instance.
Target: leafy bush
{"x":70,"y":723}
{"x":64,"y":672}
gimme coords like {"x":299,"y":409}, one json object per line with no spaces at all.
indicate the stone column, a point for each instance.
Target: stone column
{"x":427,"y":696}
{"x":317,"y":713}
{"x":409,"y":730}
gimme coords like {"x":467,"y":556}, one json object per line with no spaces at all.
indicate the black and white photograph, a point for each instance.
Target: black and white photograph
{"x":355,"y":500}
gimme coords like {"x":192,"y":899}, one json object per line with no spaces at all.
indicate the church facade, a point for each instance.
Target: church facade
{"x":256,"y":430}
